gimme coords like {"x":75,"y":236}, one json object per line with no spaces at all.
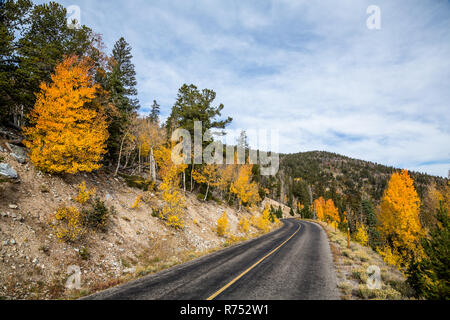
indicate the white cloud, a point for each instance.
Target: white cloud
{"x":310,"y":69}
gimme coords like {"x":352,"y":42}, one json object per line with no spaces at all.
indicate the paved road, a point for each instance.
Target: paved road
{"x":291,"y":263}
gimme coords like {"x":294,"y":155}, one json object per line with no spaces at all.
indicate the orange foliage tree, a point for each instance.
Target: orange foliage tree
{"x":66,"y":134}
{"x":319,"y":207}
{"x":399,"y":221}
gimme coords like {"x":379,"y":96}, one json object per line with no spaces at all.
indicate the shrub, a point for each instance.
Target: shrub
{"x":84,"y":194}
{"x":68,"y":224}
{"x":138,"y":182}
{"x":361,"y":234}
{"x":222,"y":225}
{"x":97,"y":216}
{"x":84,"y":253}
{"x":175,"y":221}
{"x":244,"y":225}
{"x":346,"y":287}
{"x":137,"y":202}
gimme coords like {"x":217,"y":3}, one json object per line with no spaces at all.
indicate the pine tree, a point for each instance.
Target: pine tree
{"x":12,"y":20}
{"x":195,"y":105}
{"x":67,"y":136}
{"x":371,"y":221}
{"x":46,"y":41}
{"x":121,"y":85}
{"x":154,"y":114}
{"x":430,"y":276}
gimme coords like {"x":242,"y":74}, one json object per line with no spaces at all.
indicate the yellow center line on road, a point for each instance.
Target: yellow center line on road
{"x":254,"y":265}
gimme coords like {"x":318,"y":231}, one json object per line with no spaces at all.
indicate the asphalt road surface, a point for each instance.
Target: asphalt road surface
{"x":291,"y":263}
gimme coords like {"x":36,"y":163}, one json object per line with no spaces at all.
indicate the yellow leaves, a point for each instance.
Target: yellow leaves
{"x":84,"y":194}
{"x":319,"y":207}
{"x":399,"y":217}
{"x":245,"y":190}
{"x":67,"y":136}
{"x":69,"y":224}
{"x":173,"y":198}
{"x":391,"y":256}
{"x":243,"y":225}
{"x":208,"y":174}
{"x":222,"y":225}
{"x":362,"y":235}
{"x":326,"y":211}
{"x":137,"y":202}
{"x":175,"y":221}
{"x":262,"y":222}
{"x":331,"y":212}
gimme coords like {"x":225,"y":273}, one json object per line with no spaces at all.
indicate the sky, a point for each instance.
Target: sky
{"x":311,"y":70}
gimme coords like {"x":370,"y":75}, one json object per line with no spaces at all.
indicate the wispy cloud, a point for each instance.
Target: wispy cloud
{"x":311,"y":69}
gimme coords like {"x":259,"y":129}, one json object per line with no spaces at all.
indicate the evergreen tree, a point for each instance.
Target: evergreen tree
{"x":242,"y":140}
{"x":371,"y":221}
{"x":154,"y":114}
{"x":195,"y":105}
{"x":46,"y":41}
{"x":279,"y":213}
{"x":121,"y":85}
{"x":430,"y":276}
{"x":12,"y":19}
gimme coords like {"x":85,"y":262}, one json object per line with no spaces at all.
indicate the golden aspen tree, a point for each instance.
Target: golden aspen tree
{"x":171,"y":192}
{"x":263,"y":221}
{"x":227,"y":174}
{"x":208,"y":174}
{"x":331,"y":213}
{"x":245,"y":190}
{"x":362,"y":236}
{"x":243,"y":225}
{"x":399,"y":219}
{"x":222,"y":225}
{"x":65,"y":134}
{"x":319,"y":207}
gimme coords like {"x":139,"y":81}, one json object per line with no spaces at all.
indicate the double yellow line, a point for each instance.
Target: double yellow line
{"x":254,"y":265}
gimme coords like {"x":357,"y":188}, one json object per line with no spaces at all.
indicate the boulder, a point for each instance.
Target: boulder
{"x":18,"y":153}
{"x":7,"y":172}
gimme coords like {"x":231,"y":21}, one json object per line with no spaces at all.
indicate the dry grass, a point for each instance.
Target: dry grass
{"x":352,"y":271}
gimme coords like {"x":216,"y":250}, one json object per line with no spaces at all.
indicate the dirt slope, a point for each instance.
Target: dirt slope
{"x":34,"y":263}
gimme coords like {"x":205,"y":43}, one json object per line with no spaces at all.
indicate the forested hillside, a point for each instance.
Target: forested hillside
{"x":306,"y":176}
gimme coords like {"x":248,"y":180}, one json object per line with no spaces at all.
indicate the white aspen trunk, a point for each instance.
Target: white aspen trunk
{"x":120,"y":156}
{"x":207,"y":189}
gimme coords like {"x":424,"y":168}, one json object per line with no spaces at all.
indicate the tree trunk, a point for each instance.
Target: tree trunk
{"x":152,"y":165}
{"x":139,"y":159}
{"x":192,"y":183}
{"x":206,"y":194}
{"x":120,"y":155}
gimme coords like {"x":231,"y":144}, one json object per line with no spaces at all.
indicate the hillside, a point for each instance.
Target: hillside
{"x":34,"y":263}
{"x":309,"y":175}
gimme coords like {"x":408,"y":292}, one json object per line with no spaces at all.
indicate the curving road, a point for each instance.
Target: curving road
{"x":291,"y":263}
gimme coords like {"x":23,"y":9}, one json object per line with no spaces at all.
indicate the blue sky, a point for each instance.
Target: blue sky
{"x":310,"y":69}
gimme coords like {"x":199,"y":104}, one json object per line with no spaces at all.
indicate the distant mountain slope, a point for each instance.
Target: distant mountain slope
{"x":347,"y":181}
